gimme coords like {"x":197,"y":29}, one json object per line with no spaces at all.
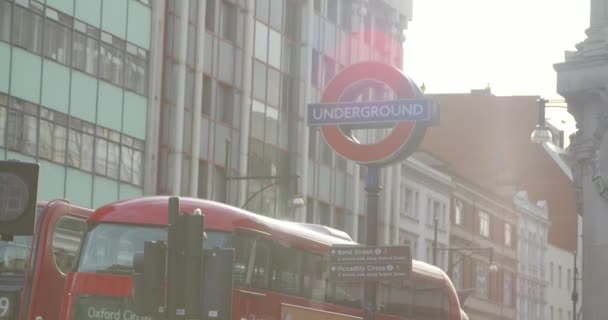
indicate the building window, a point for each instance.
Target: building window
{"x":207,"y":97}
{"x":508,"y":289}
{"x":136,"y":67}
{"x":552,"y":313}
{"x":229,"y":21}
{"x":210,"y":15}
{"x":458,"y":211}
{"x":112,"y":58}
{"x":409,"y":203}
{"x":85,"y":51}
{"x":219,"y":186}
{"x":457,"y":270}
{"x":484,"y":224}
{"x":326,"y":153}
{"x":551,"y":273}
{"x":57,"y":40}
{"x":339,"y":219}
{"x":27,"y":30}
{"x":508,"y":235}
{"x":559,"y":277}
{"x":5,"y":21}
{"x":225,"y":103}
{"x":324,"y":214}
{"x":481,"y":283}
{"x":435,"y":210}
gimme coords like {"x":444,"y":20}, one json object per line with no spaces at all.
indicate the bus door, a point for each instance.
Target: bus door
{"x":57,"y":242}
{"x":251,"y":254}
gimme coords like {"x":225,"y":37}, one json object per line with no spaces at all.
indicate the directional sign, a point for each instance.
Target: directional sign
{"x":367,"y":112}
{"x":349,"y":263}
{"x":387,"y":271}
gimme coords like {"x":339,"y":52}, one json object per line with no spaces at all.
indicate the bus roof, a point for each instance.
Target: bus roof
{"x":222,"y":217}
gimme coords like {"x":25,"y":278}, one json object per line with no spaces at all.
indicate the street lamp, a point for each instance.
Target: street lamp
{"x":541,"y":133}
{"x":464,"y":293}
{"x":295,"y":201}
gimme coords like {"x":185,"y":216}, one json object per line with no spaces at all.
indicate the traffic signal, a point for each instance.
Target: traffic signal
{"x":217,"y":283}
{"x":149,"y":279}
{"x":18,"y":193}
{"x":184,"y":267}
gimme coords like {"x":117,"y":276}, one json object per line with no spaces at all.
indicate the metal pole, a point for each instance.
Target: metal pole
{"x":372,"y":188}
{"x":227,"y":166}
{"x":574,"y":293}
{"x":435,"y":227}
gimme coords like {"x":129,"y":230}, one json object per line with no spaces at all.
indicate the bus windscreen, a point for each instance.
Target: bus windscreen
{"x":109,"y":248}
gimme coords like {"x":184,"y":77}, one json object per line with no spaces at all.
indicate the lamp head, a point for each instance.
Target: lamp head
{"x":541,"y":135}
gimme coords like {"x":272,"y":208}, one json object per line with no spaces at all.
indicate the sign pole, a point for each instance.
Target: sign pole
{"x":372,"y":188}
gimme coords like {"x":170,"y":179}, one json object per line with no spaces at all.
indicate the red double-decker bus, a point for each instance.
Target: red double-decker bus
{"x":280,"y":268}
{"x":33,"y":268}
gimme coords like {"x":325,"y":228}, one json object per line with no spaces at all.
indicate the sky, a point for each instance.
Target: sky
{"x":511,"y":45}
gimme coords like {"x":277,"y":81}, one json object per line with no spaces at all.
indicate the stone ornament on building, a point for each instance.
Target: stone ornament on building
{"x":599,"y":161}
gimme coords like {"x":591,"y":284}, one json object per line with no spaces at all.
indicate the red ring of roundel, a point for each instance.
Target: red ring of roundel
{"x":388,"y":148}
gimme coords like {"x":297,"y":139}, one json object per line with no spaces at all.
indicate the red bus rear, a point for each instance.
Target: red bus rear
{"x":33,"y":269}
{"x":280,"y":268}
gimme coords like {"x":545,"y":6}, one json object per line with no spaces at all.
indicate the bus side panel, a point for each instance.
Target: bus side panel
{"x":48,"y":281}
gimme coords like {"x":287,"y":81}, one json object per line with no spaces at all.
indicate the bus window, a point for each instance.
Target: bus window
{"x":242,"y":249}
{"x":251,"y":261}
{"x":259,"y":271}
{"x":313,"y":281}
{"x":285,"y":264}
{"x":419,"y":300}
{"x":67,"y":235}
{"x":348,"y":294}
{"x":396,"y":299}
{"x":430,"y":302}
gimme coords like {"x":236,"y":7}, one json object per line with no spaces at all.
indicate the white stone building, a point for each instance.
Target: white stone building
{"x":533,"y":225}
{"x":424,"y":193}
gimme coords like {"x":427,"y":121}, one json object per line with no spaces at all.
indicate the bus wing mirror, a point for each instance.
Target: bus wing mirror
{"x":149,"y":279}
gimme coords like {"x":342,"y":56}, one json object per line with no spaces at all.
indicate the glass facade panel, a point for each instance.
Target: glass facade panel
{"x":272,"y":128}
{"x":261,"y":9}
{"x":274,"y":87}
{"x":229,"y":21}
{"x":207,"y":98}
{"x":276,"y":15}
{"x":225,"y":103}
{"x":259,"y":80}
{"x":274,"y":49}
{"x":257,"y":120}
{"x":261,"y":41}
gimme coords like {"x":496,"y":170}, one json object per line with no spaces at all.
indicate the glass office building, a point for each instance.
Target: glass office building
{"x":263,"y":61}
{"x":73,"y":94}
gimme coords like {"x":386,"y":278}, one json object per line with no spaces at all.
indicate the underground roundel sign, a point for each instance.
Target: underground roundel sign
{"x":409,"y":115}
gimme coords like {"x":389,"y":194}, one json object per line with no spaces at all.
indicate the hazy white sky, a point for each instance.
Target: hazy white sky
{"x":455,"y":46}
